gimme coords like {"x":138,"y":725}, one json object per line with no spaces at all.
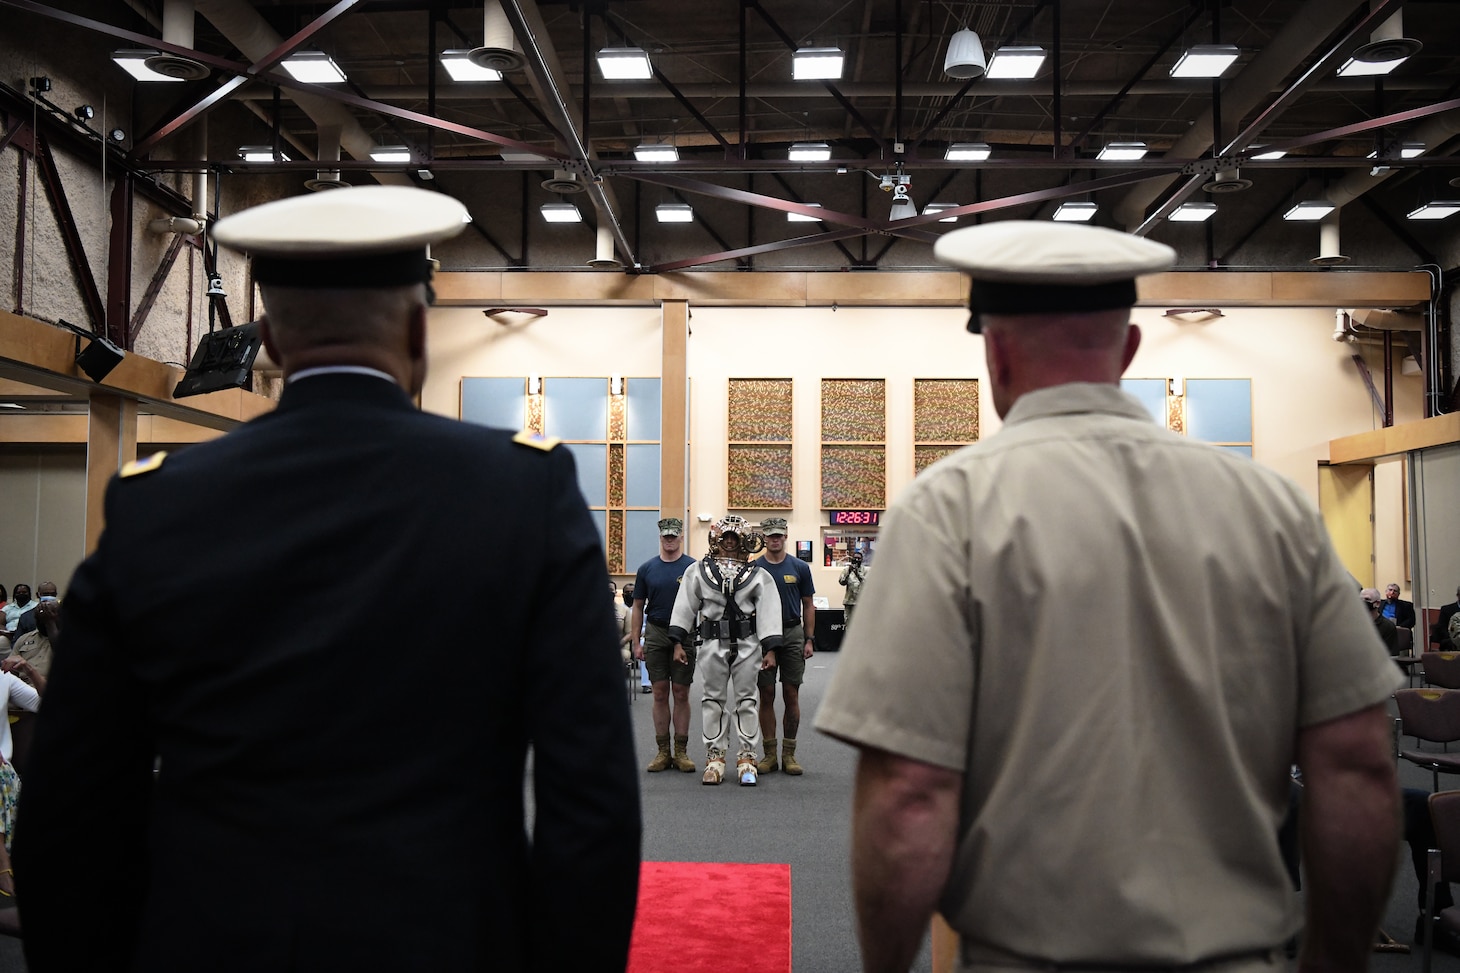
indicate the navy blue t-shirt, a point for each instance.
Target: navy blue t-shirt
{"x":793,"y":581}
{"x":658,"y":584}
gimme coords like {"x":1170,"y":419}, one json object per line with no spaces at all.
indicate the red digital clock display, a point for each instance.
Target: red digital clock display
{"x":862,"y":518}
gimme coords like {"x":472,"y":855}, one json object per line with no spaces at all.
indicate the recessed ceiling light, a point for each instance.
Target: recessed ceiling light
{"x":461,"y":67}
{"x":1193,"y":213}
{"x":1437,"y":210}
{"x":817,"y":64}
{"x":561,"y":213}
{"x":932,"y":208}
{"x":656,"y":153}
{"x":1015,"y":63}
{"x":259,"y":153}
{"x":1309,"y":211}
{"x":674,"y":213}
{"x":625,"y":64}
{"x":803,"y":218}
{"x":313,"y":67}
{"x":1355,"y":68}
{"x":1122,"y":151}
{"x":809,"y":152}
{"x":1075,"y":212}
{"x":967,"y":152}
{"x":391,"y":153}
{"x":135,"y":64}
{"x":1205,"y":61}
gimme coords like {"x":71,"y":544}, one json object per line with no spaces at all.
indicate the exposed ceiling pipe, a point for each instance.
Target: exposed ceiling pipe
{"x":246,"y":30}
{"x":551,"y":85}
{"x":1329,"y":251}
{"x":500,"y":50}
{"x":177,"y":28}
{"x":329,"y":151}
{"x":1308,"y":27}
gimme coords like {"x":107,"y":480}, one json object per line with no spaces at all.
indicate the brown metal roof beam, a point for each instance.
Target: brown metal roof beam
{"x":832,"y":236}
{"x":75,"y":249}
{"x":154,"y":288}
{"x":1357,"y":128}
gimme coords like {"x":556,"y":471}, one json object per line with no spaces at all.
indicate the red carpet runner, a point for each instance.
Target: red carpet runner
{"x":711,"y":917}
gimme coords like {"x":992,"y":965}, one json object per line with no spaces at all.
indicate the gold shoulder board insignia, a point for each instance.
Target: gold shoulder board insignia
{"x":536,"y":440}
{"x":139,"y":466}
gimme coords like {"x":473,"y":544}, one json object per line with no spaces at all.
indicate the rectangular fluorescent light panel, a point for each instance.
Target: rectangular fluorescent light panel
{"x":817,"y":64}
{"x":1272,"y":156}
{"x":461,"y":68}
{"x":674,"y":213}
{"x":809,"y":152}
{"x":512,"y":155}
{"x":1205,"y":61}
{"x":259,"y":153}
{"x":1437,"y":210}
{"x":1354,"y":68}
{"x":1081,"y":212}
{"x":656,"y":153}
{"x":967,"y":152}
{"x":1015,"y":63}
{"x":135,"y":64}
{"x":390,"y":153}
{"x":1411,"y":150}
{"x":624,"y":64}
{"x":1193,"y":213}
{"x":1122,"y":151}
{"x":1309,"y":211}
{"x":801,"y":218}
{"x":941,"y":208}
{"x":561,"y":213}
{"x":314,"y":67}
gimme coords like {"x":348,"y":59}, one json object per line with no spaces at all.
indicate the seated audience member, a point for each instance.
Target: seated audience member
{"x":13,"y":692}
{"x":1388,"y":631}
{"x":1439,"y":632}
{"x":34,"y":647}
{"x":1396,"y":609}
{"x":21,"y":603}
{"x":45,"y":591}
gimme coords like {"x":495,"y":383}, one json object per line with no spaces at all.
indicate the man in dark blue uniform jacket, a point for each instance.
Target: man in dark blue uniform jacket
{"x":325,"y":798}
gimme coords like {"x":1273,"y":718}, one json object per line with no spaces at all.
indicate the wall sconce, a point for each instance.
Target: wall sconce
{"x":534,"y":385}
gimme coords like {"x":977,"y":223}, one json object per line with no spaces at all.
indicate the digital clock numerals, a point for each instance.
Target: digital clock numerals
{"x":865,"y":517}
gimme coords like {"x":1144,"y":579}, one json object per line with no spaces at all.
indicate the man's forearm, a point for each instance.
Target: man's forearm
{"x":904,"y":825}
{"x":1350,"y":825}
{"x":808,"y":617}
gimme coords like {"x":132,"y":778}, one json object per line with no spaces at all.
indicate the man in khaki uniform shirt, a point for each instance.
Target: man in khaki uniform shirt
{"x":1074,"y":745}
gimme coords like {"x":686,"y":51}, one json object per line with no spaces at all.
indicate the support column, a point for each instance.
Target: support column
{"x":674,"y":411}
{"x":111,"y":443}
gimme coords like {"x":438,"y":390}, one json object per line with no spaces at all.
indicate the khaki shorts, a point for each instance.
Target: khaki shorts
{"x":790,"y":660}
{"x":659,"y":657}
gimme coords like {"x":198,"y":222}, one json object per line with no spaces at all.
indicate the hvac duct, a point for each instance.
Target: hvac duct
{"x":500,"y":50}
{"x":177,"y":28}
{"x":604,"y":258}
{"x":329,"y":151}
{"x":1328,"y":243}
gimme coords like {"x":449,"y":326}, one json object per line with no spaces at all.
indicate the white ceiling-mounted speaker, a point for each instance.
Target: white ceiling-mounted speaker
{"x":965,"y":56}
{"x":500,"y":50}
{"x":329,"y":151}
{"x":1388,"y":43}
{"x":177,"y":28}
{"x":1227,"y":181}
{"x":563,"y":182}
{"x":603,"y":257}
{"x":1328,"y":243}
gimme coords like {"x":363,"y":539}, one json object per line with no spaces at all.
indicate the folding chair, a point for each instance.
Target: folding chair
{"x":1432,"y":715}
{"x":1442,"y":669}
{"x":1443,"y":865}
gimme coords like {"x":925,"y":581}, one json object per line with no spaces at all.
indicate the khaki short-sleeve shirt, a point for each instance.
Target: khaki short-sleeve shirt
{"x":1115,"y":634}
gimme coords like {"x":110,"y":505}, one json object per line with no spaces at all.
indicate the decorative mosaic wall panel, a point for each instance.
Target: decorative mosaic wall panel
{"x":945,"y":410}
{"x":616,"y":475}
{"x":759,"y":410}
{"x":616,"y":542}
{"x":760,"y":477}
{"x":926,"y":456}
{"x":534,"y":413}
{"x":853,"y":410}
{"x":853,"y":477}
{"x":618,"y":427}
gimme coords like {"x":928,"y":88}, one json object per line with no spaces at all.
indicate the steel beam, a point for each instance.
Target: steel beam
{"x":75,"y":249}
{"x":119,"y":264}
{"x":805,"y":241}
{"x":154,"y":288}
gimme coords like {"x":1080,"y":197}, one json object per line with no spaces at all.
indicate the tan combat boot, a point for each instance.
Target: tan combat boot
{"x":788,"y":758}
{"x":681,"y":759}
{"x":661,"y":759}
{"x":714,"y":767}
{"x":770,"y":764}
